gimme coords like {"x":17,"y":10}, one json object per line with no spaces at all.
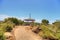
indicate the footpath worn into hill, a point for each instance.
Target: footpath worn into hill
{"x":23,"y":33}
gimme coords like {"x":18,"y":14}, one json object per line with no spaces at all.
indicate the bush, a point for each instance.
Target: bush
{"x":8,"y":28}
{"x":2,"y":37}
{"x":48,"y":32}
{"x":14,"y":20}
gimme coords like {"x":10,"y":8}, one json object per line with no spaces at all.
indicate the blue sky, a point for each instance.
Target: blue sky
{"x":39,"y":9}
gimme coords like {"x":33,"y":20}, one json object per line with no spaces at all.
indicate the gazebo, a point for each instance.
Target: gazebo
{"x":29,"y":20}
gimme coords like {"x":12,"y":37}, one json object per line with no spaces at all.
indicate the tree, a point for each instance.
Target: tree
{"x":57,"y":23}
{"x":14,"y":20}
{"x":45,"y":22}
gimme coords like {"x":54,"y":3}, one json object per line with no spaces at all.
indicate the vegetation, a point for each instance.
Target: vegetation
{"x":2,"y":37}
{"x":45,"y":22}
{"x":49,"y":31}
{"x":7,"y":25}
{"x":14,"y":20}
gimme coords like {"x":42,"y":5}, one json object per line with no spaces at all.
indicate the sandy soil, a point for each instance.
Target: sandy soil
{"x":23,"y":33}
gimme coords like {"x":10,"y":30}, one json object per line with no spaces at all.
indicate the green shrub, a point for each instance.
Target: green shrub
{"x":14,"y":20}
{"x":48,"y":32}
{"x":2,"y":37}
{"x":8,"y":28}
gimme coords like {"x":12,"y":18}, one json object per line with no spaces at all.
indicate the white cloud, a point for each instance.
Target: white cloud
{"x":2,"y":16}
{"x":38,"y":20}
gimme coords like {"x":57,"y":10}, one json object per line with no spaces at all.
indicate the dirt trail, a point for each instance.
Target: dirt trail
{"x":22,"y":33}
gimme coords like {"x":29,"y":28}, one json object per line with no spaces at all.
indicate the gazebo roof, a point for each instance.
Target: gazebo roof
{"x":29,"y":19}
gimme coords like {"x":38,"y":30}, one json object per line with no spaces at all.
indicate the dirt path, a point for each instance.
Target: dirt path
{"x":21,"y":33}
